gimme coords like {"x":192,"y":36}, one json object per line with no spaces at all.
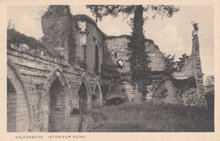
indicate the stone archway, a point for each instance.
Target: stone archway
{"x":84,"y":94}
{"x":19,"y":111}
{"x":97,"y":97}
{"x":11,"y":107}
{"x":83,"y":98}
{"x":57,"y":107}
{"x":56,"y":100}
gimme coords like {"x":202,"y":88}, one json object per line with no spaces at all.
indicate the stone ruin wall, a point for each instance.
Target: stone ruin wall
{"x":156,"y":57}
{"x":55,"y":62}
{"x":116,"y":49}
{"x":94,"y":42}
{"x":35,"y":70}
{"x":123,"y":90}
{"x":74,"y":38}
{"x":119,"y":45}
{"x":188,"y":82}
{"x":88,"y":41}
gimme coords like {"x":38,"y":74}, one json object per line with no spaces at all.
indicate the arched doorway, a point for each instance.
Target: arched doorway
{"x":19,"y":111}
{"x":57,"y":107}
{"x":82,"y":95}
{"x":11,"y":107}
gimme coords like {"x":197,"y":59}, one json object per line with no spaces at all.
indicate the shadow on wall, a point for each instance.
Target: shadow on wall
{"x":82,"y":94}
{"x":210,"y":98}
{"x":57,"y":107}
{"x":115,"y":101}
{"x":108,"y":73}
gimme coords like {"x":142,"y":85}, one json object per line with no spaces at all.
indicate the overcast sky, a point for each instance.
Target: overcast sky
{"x":172,"y":35}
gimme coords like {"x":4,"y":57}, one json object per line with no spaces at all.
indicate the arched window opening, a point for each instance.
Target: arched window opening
{"x":116,"y":55}
{"x":96,"y":59}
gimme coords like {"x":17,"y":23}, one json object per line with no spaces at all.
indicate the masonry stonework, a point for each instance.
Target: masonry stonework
{"x":117,"y":46}
{"x":35,"y":73}
{"x":192,"y":69}
{"x":45,"y":79}
{"x":89,"y":43}
{"x":117,"y":50}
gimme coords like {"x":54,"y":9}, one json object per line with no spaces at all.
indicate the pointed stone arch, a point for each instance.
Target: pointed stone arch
{"x":97,"y":96}
{"x":18,"y":95}
{"x":55,"y":73}
{"x":84,"y":94}
{"x":57,"y":95}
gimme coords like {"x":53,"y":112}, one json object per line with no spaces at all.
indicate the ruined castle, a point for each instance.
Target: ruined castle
{"x":77,"y":66}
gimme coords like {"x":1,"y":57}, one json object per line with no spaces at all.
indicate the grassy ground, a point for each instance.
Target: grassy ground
{"x":151,"y":117}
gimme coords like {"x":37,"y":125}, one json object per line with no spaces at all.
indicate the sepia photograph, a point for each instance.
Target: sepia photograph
{"x":110,"y":68}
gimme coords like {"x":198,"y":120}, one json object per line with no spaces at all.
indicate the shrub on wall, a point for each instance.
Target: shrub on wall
{"x":189,"y":97}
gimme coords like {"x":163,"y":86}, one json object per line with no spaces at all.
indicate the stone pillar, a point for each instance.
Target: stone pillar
{"x":197,"y":66}
{"x":197,"y":70}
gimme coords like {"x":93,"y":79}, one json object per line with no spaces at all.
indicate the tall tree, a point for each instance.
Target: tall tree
{"x":170,"y":64}
{"x":182,"y":61}
{"x":139,"y":59}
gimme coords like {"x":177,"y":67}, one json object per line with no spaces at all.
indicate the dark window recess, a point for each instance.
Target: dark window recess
{"x":84,"y":32}
{"x":84,"y":48}
{"x":74,"y":111}
{"x":96,"y":60}
{"x":115,"y":101}
{"x":122,"y":90}
{"x":94,"y":97}
{"x":116,"y":55}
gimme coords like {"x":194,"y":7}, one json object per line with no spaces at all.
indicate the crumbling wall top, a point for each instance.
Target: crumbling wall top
{"x":83,"y":17}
